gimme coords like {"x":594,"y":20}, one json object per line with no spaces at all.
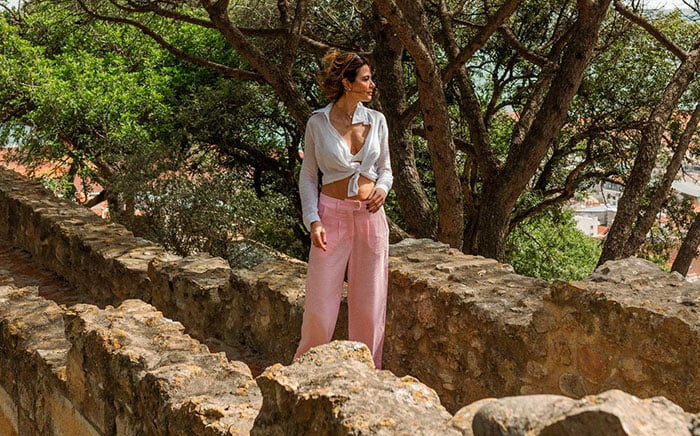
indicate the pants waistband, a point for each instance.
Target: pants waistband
{"x":342,"y":205}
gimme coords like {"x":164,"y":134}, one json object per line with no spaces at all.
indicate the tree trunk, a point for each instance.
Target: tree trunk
{"x":278,"y":78}
{"x":416,"y":211}
{"x":523,"y":159}
{"x":646,"y":220}
{"x":481,"y":159}
{"x":689,"y":248}
{"x":629,"y":205}
{"x":412,"y":28}
{"x":493,"y":220}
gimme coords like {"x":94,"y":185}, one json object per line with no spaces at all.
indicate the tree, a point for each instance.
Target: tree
{"x":688,"y":250}
{"x":119,"y":111}
{"x":419,"y":40}
{"x":411,"y":25}
{"x":514,"y":101}
{"x":631,"y":221}
{"x":414,"y":203}
{"x":96,"y":116}
{"x":689,"y":247}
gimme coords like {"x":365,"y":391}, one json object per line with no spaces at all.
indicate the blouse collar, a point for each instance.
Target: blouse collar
{"x":361,"y":114}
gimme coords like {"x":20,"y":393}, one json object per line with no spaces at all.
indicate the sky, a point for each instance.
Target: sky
{"x":665,"y":4}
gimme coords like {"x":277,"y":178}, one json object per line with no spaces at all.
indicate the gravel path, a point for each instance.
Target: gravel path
{"x":19,"y":269}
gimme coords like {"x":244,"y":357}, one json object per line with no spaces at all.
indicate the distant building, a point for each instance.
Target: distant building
{"x":588,"y":225}
{"x":610,"y":192}
{"x":604,"y":215}
{"x":687,"y":189}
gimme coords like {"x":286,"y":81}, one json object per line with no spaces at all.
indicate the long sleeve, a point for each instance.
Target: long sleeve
{"x":308,"y":181}
{"x":385,"y":177}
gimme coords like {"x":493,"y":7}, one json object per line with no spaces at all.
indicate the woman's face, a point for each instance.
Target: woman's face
{"x":363,"y":86}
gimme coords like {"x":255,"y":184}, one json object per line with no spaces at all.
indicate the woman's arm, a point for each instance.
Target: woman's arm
{"x":308,"y":180}
{"x":385,"y":177}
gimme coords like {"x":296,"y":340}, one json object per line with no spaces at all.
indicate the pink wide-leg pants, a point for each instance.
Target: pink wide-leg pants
{"x":359,"y":241}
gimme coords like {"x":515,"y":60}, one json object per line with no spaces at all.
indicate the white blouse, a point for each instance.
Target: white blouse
{"x":326,"y":150}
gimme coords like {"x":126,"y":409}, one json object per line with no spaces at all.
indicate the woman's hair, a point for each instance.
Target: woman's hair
{"x":338,"y":65}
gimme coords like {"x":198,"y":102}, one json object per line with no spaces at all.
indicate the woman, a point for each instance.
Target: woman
{"x":348,"y":143}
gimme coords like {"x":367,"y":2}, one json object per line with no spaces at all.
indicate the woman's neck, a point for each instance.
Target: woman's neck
{"x":346,"y":106}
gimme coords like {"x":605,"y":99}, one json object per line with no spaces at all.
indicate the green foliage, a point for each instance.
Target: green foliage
{"x":500,"y":134}
{"x":234,"y":115}
{"x":87,"y":108}
{"x":626,"y":78}
{"x":214,"y":211}
{"x":184,"y":142}
{"x":106,"y":103}
{"x":20,"y":68}
{"x":549,"y":246}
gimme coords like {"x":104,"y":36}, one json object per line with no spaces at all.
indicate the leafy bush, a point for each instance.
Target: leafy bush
{"x":216,"y":211}
{"x":549,"y":246}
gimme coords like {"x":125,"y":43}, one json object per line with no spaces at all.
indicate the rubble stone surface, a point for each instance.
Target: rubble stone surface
{"x":335,"y":390}
{"x":609,"y":413}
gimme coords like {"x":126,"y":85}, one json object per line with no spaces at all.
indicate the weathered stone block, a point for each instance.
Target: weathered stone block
{"x":152,"y":378}
{"x":8,"y":414}
{"x":461,"y":324}
{"x":194,"y":290}
{"x":33,"y":363}
{"x":609,"y":413}
{"x":487,"y":332}
{"x":334,"y":389}
{"x":630,"y":326}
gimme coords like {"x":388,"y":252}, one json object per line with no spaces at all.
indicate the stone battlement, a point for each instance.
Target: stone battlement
{"x":467,"y":327}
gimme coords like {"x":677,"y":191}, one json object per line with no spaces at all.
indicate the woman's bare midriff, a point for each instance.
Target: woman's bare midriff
{"x":339,"y":189}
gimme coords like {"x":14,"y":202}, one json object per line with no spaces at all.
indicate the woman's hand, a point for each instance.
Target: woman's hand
{"x":318,"y":235}
{"x":376,"y":200}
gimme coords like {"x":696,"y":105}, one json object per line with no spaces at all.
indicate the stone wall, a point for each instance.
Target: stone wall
{"x":130,"y":371}
{"x":466,"y":326}
{"x":107,"y":264}
{"x":125,"y":371}
{"x":102,"y":260}
{"x":471,"y":328}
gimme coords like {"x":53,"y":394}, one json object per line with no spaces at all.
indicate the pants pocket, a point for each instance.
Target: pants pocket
{"x":337,"y":227}
{"x":378,"y":237}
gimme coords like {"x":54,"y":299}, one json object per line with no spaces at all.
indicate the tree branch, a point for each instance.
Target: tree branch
{"x":651,"y":29}
{"x":523,"y":51}
{"x":167,"y":13}
{"x":494,"y":22}
{"x":296,"y":26}
{"x":565,"y":193}
{"x":656,"y":199}
{"x":214,"y":66}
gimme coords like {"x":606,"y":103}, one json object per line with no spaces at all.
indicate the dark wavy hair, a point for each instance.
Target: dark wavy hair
{"x":338,"y":65}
